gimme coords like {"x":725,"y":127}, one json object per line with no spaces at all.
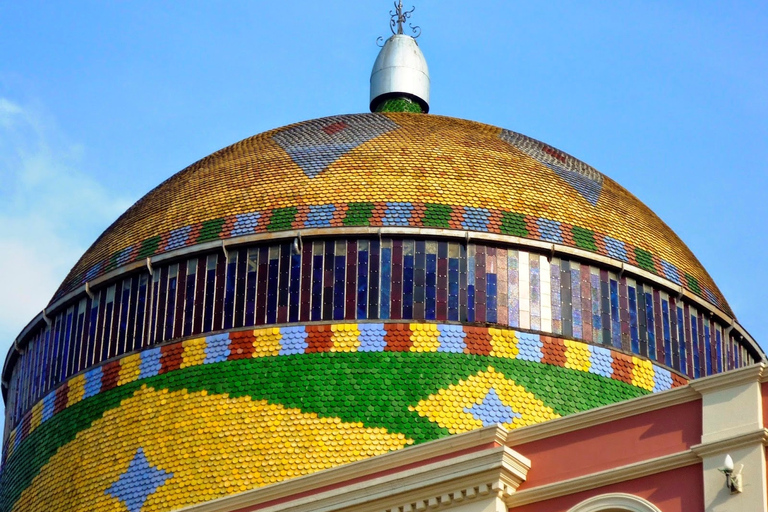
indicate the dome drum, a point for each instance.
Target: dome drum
{"x":383,"y":279}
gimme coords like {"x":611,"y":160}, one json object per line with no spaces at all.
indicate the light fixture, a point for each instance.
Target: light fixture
{"x":732,"y":480}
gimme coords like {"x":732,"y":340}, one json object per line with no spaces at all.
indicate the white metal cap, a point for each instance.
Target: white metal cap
{"x":400,"y":70}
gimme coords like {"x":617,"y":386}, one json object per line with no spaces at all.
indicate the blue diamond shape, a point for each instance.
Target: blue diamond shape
{"x":315,"y":145}
{"x":139,"y":481}
{"x":584,"y":179}
{"x":492,"y":411}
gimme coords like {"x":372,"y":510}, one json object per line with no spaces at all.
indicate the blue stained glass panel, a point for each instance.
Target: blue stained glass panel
{"x":708,"y":348}
{"x":681,"y":340}
{"x":362,"y":280}
{"x":667,"y":332}
{"x":431,"y":288}
{"x":386,"y":281}
{"x":408,"y":280}
{"x":317,"y":287}
{"x":719,"y":351}
{"x":695,"y":336}
{"x":491,"y":297}
{"x":295,"y":288}
{"x":453,"y":289}
{"x":339,"y":282}
{"x":615,"y":320}
{"x":649,"y":320}
{"x":633,"y":319}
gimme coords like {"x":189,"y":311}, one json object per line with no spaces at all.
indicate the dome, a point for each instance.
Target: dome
{"x":338,"y":289}
{"x":436,"y":172}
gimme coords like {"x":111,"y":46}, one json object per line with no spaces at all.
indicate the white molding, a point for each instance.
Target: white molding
{"x":603,"y":478}
{"x":615,"y":501}
{"x":604,"y":414}
{"x":729,"y":379}
{"x":732,"y":443}
{"x":492,"y":472}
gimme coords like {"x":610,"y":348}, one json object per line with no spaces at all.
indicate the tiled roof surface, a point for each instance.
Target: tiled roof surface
{"x":395,"y":169}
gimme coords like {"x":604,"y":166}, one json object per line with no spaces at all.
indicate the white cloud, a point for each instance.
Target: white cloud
{"x":50,"y":212}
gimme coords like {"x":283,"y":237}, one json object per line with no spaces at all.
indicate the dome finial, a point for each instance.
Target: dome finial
{"x":400,"y":77}
{"x":399,"y":16}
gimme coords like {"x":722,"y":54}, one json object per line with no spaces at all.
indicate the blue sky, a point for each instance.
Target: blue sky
{"x":101,"y":101}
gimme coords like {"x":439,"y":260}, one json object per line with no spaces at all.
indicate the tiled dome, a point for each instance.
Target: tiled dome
{"x":396,"y":170}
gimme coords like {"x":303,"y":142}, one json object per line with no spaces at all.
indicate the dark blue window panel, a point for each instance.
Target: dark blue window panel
{"x":682,"y":343}
{"x":442,"y":280}
{"x":130,"y":342}
{"x":708,"y":348}
{"x":597,"y":317}
{"x":719,"y":351}
{"x":430,"y":288}
{"x":695,"y":337}
{"x":642,"y":321}
{"x":634,"y":339}
{"x":108,"y":310}
{"x":229,"y":291}
{"x":651,"y":325}
{"x":615,"y":319}
{"x":251,"y":281}
{"x":362,"y":280}
{"x":373,"y":281}
{"x":141,"y":305}
{"x":189,"y":298}
{"x":667,"y":333}
{"x":420,"y":280}
{"x":463,"y":283}
{"x":471,"y":303}
{"x":453,"y":289}
{"x":242,"y":271}
{"x":115,"y":329}
{"x":386,"y":281}
{"x":93,"y":321}
{"x":471,"y":286}
{"x":317,"y":287}
{"x":171,"y":306}
{"x":283,"y":287}
{"x":491,"y":297}
{"x":408,"y":261}
{"x":79,"y":339}
{"x":262,"y":281}
{"x":210,"y":288}
{"x":272,"y":279}
{"x":339,"y":284}
{"x":66,"y":347}
{"x":295,"y":293}
{"x":125,"y":308}
{"x":328,"y":266}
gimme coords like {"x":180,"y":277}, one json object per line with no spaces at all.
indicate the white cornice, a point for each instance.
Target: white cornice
{"x":759,"y":436}
{"x":387,"y":483}
{"x":752,"y":373}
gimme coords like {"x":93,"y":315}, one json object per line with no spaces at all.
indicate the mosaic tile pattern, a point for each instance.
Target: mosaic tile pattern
{"x":395,"y":169}
{"x":367,"y":279}
{"x":348,"y":338}
{"x":149,"y":434}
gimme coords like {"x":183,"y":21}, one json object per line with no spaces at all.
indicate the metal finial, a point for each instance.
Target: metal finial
{"x":398,"y":17}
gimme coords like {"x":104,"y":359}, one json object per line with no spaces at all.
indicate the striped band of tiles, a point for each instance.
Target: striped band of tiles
{"x":404,"y":214}
{"x":348,"y":337}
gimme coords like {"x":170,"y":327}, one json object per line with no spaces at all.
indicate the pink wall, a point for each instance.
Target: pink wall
{"x":613,"y":444}
{"x":678,"y":490}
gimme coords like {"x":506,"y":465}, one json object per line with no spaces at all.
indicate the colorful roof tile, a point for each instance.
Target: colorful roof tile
{"x":395,"y":169}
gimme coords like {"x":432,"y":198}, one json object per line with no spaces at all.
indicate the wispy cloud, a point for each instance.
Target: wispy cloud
{"x":50,"y":212}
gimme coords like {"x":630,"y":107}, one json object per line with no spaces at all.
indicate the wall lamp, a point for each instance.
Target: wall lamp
{"x":732,"y":480}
